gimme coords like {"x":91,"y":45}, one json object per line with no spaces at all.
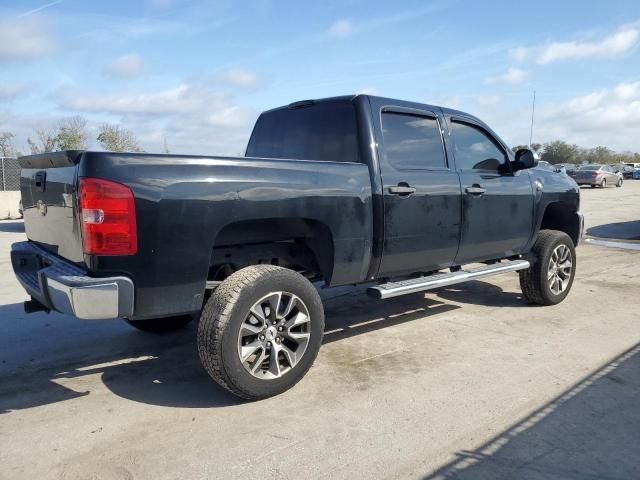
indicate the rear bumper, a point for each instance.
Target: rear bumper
{"x":587,"y":181}
{"x":62,"y":286}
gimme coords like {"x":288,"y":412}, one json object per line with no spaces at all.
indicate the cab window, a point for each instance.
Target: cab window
{"x":475,"y":150}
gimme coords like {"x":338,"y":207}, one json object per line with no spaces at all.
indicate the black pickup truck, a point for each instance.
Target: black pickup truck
{"x":341,"y":191}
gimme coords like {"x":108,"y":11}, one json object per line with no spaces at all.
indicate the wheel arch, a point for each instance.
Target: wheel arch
{"x":285,"y":241}
{"x":562,"y":216}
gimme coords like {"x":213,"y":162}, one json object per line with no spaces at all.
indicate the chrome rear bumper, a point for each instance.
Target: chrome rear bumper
{"x":62,"y":286}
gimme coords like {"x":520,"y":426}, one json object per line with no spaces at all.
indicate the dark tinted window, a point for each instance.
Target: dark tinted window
{"x":474,"y":150}
{"x":325,"y":131}
{"x":412,"y":141}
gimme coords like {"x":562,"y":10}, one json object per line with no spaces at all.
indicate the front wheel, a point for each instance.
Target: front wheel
{"x":619,"y":184}
{"x":260,"y":331}
{"x":553,"y":266}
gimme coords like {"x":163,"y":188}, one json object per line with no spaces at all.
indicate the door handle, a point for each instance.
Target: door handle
{"x":475,"y":190}
{"x":402,"y":189}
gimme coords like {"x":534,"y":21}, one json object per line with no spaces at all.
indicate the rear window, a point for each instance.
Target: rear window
{"x":325,"y":131}
{"x":412,"y":141}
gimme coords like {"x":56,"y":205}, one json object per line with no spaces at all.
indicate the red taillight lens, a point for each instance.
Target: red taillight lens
{"x":107,"y":217}
{"x":594,"y":174}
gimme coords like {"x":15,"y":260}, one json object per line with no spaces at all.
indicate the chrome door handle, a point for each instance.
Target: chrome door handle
{"x":402,"y":190}
{"x":475,"y":190}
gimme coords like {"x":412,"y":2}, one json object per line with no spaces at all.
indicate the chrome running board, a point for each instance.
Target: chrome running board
{"x":420,"y":284}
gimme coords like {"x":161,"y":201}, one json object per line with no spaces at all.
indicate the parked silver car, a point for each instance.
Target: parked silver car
{"x":597,"y":176}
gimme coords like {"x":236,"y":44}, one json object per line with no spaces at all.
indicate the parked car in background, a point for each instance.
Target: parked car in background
{"x":636,"y":174}
{"x":567,"y":168}
{"x":598,"y":176}
{"x":627,"y":171}
{"x":557,"y":167}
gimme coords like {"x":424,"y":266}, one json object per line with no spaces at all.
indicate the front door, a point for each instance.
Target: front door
{"x":497,"y":205}
{"x":421,"y":193}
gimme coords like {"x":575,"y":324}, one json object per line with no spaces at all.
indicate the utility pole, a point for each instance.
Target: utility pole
{"x":533,"y":111}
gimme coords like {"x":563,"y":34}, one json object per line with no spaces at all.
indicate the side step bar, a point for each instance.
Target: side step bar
{"x":420,"y":284}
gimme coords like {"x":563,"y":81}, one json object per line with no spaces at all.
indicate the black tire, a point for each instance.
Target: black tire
{"x":161,"y":325}
{"x":224,"y":314}
{"x":619,"y":184}
{"x":534,"y":280}
{"x":603,"y":183}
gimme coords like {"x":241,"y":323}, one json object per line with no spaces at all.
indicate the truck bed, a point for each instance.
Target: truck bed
{"x":184,"y":203}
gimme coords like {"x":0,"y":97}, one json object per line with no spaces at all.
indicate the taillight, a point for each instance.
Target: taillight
{"x":594,"y":174}
{"x":107,"y":217}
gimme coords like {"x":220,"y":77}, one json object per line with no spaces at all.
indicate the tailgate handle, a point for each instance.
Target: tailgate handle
{"x":40,"y":180}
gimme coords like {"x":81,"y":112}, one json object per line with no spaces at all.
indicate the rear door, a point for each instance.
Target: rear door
{"x":421,"y":193}
{"x":497,"y":206}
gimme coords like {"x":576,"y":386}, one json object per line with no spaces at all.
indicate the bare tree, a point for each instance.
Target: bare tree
{"x":116,"y":139}
{"x":6,"y":145}
{"x":72,"y":134}
{"x":45,"y":140}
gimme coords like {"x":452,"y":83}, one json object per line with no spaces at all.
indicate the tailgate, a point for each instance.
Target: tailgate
{"x":47,"y":184}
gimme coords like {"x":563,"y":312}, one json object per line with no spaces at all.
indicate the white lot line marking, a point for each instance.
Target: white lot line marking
{"x":124,"y":361}
{"x":376,"y":356}
{"x":611,"y":244}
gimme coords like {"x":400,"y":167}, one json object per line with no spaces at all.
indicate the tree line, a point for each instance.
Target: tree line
{"x":71,"y":134}
{"x":563,"y":152}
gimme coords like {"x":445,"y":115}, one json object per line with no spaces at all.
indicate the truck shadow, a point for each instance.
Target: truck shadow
{"x":477,"y":292}
{"x":591,"y":430}
{"x":45,"y":356}
{"x":616,"y":231}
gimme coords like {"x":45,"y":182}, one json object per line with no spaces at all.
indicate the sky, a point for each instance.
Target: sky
{"x":198,"y":73}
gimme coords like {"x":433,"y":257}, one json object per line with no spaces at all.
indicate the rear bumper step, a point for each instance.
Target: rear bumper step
{"x":56,"y":284}
{"x":420,"y":284}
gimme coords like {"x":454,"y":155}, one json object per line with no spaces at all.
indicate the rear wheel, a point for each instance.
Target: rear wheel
{"x":553,"y":267}
{"x":603,"y":183}
{"x":161,"y":325}
{"x":260,"y":331}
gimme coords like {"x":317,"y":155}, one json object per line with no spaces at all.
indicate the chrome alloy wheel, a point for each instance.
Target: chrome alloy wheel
{"x":559,"y":273}
{"x":274,"y":336}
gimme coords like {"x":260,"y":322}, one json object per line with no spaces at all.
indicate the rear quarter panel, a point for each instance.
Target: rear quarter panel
{"x":183,"y":202}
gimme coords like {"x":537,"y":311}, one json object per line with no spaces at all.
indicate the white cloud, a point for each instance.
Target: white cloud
{"x":368,"y":91}
{"x":127,"y":66}
{"x":488,"y":100}
{"x":196,"y":119}
{"x":11,"y":91}
{"x":39,"y":9}
{"x":26,"y":38}
{"x":237,"y":77}
{"x":612,"y":46}
{"x":512,"y":76}
{"x":341,"y":28}
{"x":608,"y":117}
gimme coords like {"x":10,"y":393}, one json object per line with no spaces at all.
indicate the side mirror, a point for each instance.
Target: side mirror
{"x":524,"y":159}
